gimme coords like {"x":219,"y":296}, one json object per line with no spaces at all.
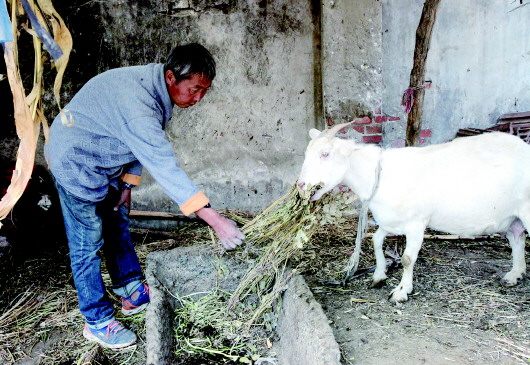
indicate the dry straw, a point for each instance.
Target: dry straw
{"x":275,"y":236}
{"x":281,"y":231}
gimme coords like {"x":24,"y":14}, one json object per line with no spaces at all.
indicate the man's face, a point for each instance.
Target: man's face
{"x":187,"y":92}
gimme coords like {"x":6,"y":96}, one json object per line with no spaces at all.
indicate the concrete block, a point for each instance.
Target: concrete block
{"x":305,"y":336}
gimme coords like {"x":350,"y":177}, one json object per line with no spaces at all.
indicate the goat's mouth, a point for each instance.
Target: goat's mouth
{"x":311,"y":193}
{"x":318,"y":193}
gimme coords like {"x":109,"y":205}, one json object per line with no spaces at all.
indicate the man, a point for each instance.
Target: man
{"x":111,"y":128}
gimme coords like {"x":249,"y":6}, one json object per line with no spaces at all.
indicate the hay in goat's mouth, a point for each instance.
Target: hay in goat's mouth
{"x":281,"y":231}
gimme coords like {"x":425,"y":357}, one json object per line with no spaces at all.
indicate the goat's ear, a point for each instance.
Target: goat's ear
{"x":314,"y":133}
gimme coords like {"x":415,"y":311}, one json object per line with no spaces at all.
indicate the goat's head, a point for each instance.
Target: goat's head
{"x":326,"y":161}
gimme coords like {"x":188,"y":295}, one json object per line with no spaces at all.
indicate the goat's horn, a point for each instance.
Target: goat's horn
{"x":333,"y":130}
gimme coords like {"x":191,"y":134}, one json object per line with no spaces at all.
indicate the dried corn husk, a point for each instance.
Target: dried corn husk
{"x":28,"y":110}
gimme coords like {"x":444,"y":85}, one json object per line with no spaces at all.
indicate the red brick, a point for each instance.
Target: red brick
{"x":359,"y":128}
{"x":363,"y":120}
{"x":374,"y":129}
{"x":393,"y":119}
{"x":373,"y":139}
{"x":425,"y":133}
{"x":330,"y":122}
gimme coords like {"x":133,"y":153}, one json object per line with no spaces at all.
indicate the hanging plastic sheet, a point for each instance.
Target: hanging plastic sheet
{"x":62,"y":36}
{"x":51,"y":45}
{"x":27,"y":131}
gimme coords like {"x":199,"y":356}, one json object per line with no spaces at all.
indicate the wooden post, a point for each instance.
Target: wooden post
{"x":417,"y":75}
{"x":318,"y":79}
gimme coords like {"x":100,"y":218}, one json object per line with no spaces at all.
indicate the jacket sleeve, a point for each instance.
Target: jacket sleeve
{"x":149,"y":144}
{"x":132,"y":173}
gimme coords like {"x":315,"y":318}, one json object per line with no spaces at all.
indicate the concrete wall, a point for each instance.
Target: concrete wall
{"x":352,"y":53}
{"x":244,"y":143}
{"x":479,"y":64}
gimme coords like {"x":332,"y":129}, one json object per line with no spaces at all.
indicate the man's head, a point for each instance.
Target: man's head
{"x":189,"y":72}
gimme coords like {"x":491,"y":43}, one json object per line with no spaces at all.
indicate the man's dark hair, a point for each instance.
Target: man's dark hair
{"x":190,"y":59}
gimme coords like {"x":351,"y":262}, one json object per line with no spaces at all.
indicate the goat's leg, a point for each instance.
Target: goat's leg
{"x":414,"y":241}
{"x":517,"y":238}
{"x":380,"y":270}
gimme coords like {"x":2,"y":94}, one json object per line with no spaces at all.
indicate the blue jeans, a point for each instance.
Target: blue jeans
{"x":91,"y":227}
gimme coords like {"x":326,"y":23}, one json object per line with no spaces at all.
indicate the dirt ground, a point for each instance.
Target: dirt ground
{"x":459,"y":313}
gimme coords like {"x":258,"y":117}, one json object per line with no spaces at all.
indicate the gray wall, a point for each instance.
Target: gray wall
{"x":479,"y":63}
{"x":352,"y":80}
{"x":244,"y":143}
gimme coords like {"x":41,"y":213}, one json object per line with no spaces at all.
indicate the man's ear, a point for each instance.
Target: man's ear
{"x":170,"y":77}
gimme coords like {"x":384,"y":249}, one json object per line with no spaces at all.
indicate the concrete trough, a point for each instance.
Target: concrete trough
{"x":304,"y":334}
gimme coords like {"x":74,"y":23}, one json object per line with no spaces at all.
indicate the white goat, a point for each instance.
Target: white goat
{"x":470,"y":186}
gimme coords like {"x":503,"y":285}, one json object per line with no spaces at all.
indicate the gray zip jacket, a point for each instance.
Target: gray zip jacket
{"x":111,"y":128}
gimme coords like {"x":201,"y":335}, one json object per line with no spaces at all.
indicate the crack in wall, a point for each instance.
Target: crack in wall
{"x":189,"y":7}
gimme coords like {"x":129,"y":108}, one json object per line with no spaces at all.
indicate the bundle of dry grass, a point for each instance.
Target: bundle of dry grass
{"x":281,"y":231}
{"x":223,"y":324}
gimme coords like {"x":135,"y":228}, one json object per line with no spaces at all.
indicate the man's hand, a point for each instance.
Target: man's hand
{"x":229,"y":235}
{"x":125,"y":200}
{"x":226,"y":229}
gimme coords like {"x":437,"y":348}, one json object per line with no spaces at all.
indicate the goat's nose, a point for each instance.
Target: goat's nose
{"x":301,"y":185}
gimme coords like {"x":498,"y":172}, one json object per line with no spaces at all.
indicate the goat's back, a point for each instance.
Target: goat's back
{"x":470,"y":185}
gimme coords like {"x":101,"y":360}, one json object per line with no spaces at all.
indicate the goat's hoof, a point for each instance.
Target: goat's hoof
{"x":398,"y":295}
{"x":509,"y":281}
{"x":379,"y":283}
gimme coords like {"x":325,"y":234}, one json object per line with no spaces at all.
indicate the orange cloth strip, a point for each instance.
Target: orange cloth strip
{"x":195,"y":203}
{"x":131,"y":179}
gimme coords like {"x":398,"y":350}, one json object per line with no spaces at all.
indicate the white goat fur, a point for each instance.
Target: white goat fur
{"x":470,"y":186}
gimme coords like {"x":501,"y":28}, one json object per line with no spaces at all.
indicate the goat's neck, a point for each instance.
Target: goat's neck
{"x":361,"y":175}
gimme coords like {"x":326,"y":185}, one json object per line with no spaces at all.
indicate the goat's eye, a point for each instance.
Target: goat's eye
{"x":324,"y":154}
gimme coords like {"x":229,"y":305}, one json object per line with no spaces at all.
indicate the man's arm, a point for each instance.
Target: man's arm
{"x":149,"y":144}
{"x":132,"y":173}
{"x":131,"y":177}
{"x":125,"y":200}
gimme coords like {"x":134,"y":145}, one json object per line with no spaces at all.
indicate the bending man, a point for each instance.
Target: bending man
{"x":112,"y":128}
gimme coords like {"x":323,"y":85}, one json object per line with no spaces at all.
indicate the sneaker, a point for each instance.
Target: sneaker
{"x":113,"y":336}
{"x":130,"y":306}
